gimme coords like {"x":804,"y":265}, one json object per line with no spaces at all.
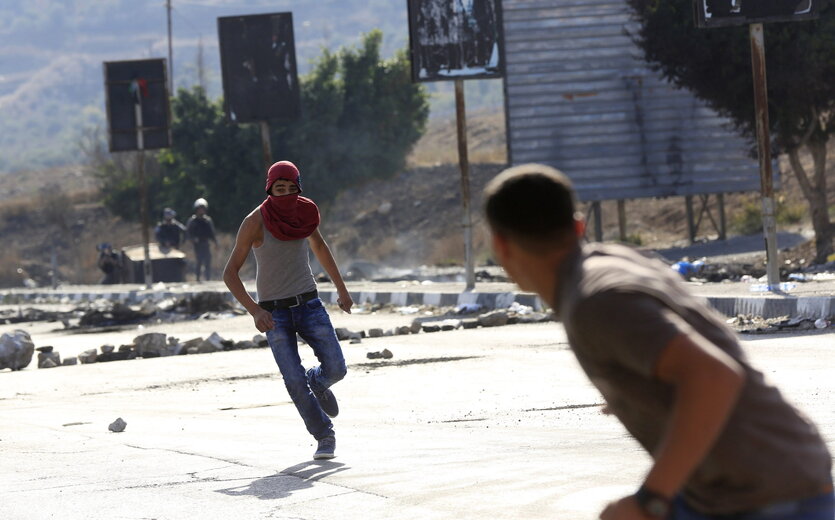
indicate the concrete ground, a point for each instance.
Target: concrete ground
{"x":482,"y":423}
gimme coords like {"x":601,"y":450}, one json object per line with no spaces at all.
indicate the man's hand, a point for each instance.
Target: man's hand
{"x":626,"y":508}
{"x":263,"y":320}
{"x":345,"y":302}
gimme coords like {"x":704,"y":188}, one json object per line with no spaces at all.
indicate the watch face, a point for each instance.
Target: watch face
{"x":657,"y":508}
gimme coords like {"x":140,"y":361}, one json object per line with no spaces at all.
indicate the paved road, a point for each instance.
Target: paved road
{"x":483,"y":423}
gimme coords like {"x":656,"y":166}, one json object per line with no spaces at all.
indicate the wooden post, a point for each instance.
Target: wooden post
{"x":598,"y":221}
{"x":143,"y":195}
{"x":464,"y":164}
{"x":622,"y":219}
{"x":755,"y":31}
{"x":691,"y":225}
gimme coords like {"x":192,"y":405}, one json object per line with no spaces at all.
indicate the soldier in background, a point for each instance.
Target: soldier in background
{"x":201,"y":230}
{"x":169,"y":231}
{"x":110,"y":263}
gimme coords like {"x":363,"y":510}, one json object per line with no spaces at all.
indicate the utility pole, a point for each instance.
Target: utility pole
{"x":464,"y":165}
{"x":170,"y":51}
{"x":764,"y":152}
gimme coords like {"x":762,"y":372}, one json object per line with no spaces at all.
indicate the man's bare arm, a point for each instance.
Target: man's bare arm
{"x":707,"y":384}
{"x":247,"y":234}
{"x":323,"y":254}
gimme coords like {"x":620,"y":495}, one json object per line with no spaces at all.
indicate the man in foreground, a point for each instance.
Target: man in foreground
{"x":280,"y":231}
{"x":725,"y":444}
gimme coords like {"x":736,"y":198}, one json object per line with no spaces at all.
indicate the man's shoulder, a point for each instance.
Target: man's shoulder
{"x":613,"y":265}
{"x":606,"y":269}
{"x":254,"y":216}
{"x":252,"y":222}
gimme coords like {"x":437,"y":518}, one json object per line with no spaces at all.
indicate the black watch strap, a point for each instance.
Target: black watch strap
{"x":652,"y":503}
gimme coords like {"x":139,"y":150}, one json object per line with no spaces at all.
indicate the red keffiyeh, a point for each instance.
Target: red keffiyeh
{"x":289,"y":217}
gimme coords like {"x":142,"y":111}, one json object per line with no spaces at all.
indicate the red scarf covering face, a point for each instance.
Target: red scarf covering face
{"x":289,"y":217}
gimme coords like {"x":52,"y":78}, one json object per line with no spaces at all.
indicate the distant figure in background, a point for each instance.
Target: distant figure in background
{"x":28,"y":281}
{"x":201,"y":230}
{"x":169,"y":231}
{"x":110,"y":263}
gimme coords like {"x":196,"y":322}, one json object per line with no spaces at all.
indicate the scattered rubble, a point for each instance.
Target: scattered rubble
{"x":707,"y":270}
{"x":101,"y":313}
{"x":47,"y":358}
{"x":383,"y":354}
{"x":748,"y":324}
{"x":16,"y":350}
{"x":493,"y":319}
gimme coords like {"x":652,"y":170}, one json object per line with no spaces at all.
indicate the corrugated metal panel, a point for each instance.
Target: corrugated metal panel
{"x":580,"y":98}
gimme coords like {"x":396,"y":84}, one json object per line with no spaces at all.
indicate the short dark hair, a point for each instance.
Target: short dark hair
{"x":532,"y":204}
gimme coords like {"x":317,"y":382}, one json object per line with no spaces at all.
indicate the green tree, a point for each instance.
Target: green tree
{"x":715,"y":64}
{"x":210,"y":158}
{"x":361,"y":115}
{"x":360,"y":118}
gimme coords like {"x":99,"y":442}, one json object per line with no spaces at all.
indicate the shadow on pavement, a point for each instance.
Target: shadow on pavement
{"x":287,"y":481}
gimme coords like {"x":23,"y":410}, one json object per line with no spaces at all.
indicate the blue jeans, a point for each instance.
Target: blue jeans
{"x":821,"y":507}
{"x":310,"y":320}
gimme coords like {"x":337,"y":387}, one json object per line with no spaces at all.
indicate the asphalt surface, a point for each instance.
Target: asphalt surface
{"x":481,"y":423}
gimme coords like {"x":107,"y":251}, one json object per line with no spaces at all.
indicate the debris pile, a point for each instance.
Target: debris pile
{"x":748,"y":324}
{"x":103,"y":313}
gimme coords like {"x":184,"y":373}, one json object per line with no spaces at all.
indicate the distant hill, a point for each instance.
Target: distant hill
{"x":51,"y":54}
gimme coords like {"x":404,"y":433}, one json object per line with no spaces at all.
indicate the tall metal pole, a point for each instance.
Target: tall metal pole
{"x":143,"y":193}
{"x":755,"y":31}
{"x":170,"y":51}
{"x":464,"y":164}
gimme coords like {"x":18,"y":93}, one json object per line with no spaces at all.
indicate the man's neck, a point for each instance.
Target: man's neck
{"x":548,"y":273}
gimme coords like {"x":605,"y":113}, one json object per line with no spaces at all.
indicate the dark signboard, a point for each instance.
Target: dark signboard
{"x":258,"y":64}
{"x":722,"y":13}
{"x":136,"y":94}
{"x":455,"y":39}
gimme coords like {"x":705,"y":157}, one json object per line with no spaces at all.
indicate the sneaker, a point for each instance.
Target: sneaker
{"x":328,"y":402}
{"x":325,"y":448}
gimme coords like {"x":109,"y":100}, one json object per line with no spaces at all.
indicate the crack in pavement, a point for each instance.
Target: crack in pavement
{"x":418,"y":361}
{"x":565,"y":407}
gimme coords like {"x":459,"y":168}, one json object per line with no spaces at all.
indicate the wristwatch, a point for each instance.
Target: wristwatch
{"x":653,"y":504}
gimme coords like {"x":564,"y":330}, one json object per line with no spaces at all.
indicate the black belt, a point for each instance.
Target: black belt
{"x":286,"y":303}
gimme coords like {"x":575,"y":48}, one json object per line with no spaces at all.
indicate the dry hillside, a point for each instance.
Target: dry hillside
{"x":412,"y":219}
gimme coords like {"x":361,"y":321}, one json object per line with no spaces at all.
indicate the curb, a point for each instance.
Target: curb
{"x":812,"y":307}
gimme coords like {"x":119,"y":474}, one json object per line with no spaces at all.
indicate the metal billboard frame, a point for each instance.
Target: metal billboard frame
{"x":260,"y":78}
{"x":735,"y":14}
{"x":136,"y":95}
{"x":481,"y":70}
